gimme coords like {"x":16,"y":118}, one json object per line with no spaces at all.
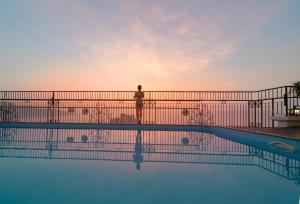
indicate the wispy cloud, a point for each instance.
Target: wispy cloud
{"x":150,"y":41}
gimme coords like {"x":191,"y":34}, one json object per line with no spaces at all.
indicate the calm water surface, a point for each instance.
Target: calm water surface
{"x":115,"y":166}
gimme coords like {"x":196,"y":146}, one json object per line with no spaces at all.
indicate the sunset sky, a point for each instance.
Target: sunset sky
{"x":163,"y":45}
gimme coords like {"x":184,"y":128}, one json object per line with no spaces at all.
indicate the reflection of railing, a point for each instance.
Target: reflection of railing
{"x":174,"y":147}
{"x":221,"y":108}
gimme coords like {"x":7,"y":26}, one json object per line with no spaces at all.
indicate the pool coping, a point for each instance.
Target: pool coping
{"x":150,"y":127}
{"x":146,"y":127}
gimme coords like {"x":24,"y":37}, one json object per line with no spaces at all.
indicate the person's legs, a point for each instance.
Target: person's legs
{"x":139,"y":118}
{"x":138,"y":114}
{"x":141,"y":113}
{"x":138,"y":138}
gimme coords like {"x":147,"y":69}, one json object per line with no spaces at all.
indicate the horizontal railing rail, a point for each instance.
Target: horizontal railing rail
{"x":128,"y":95}
{"x":272,"y":93}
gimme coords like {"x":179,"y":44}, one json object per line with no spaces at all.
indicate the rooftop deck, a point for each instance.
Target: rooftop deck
{"x":290,"y":133}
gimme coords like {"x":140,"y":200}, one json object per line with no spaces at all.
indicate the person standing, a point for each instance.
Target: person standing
{"x":139,"y":95}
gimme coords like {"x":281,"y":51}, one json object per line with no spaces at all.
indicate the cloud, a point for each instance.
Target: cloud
{"x":151,"y":41}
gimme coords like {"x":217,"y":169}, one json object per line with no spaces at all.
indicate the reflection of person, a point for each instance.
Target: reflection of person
{"x":139,"y":95}
{"x":138,"y":149}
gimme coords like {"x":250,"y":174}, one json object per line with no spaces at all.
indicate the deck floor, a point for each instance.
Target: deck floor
{"x":290,"y":133}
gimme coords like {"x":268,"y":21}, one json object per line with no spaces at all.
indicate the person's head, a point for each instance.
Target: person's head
{"x":138,"y":166}
{"x":139,"y":87}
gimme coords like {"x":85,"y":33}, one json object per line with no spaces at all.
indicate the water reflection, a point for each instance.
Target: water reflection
{"x":142,"y":146}
{"x":138,"y":149}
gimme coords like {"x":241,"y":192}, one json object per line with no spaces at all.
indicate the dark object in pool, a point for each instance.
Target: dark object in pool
{"x":84,"y":138}
{"x":283,"y":146}
{"x":185,"y":141}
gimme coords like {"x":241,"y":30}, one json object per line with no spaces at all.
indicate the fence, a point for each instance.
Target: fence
{"x":209,"y":108}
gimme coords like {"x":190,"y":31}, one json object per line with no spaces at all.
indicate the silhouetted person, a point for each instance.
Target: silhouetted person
{"x":138,"y":149}
{"x":139,"y":95}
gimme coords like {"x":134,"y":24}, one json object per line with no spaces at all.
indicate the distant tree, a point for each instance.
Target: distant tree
{"x":296,"y":87}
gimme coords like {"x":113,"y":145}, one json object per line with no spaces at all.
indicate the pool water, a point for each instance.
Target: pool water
{"x":138,"y":166}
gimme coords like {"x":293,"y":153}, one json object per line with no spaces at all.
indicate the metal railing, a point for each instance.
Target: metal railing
{"x":209,"y":108}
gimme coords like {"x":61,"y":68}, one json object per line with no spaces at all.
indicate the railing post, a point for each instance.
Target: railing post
{"x":52,"y":104}
{"x":272,"y":112}
{"x":249,"y":118}
{"x":261,"y":114}
{"x":52,"y":107}
{"x":58,"y":110}
{"x":149,"y":111}
{"x":285,"y":97}
{"x":255,"y":122}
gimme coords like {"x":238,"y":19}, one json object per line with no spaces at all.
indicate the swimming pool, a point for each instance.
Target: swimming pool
{"x":146,"y":165}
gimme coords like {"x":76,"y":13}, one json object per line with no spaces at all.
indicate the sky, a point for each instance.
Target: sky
{"x":163,"y":45}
